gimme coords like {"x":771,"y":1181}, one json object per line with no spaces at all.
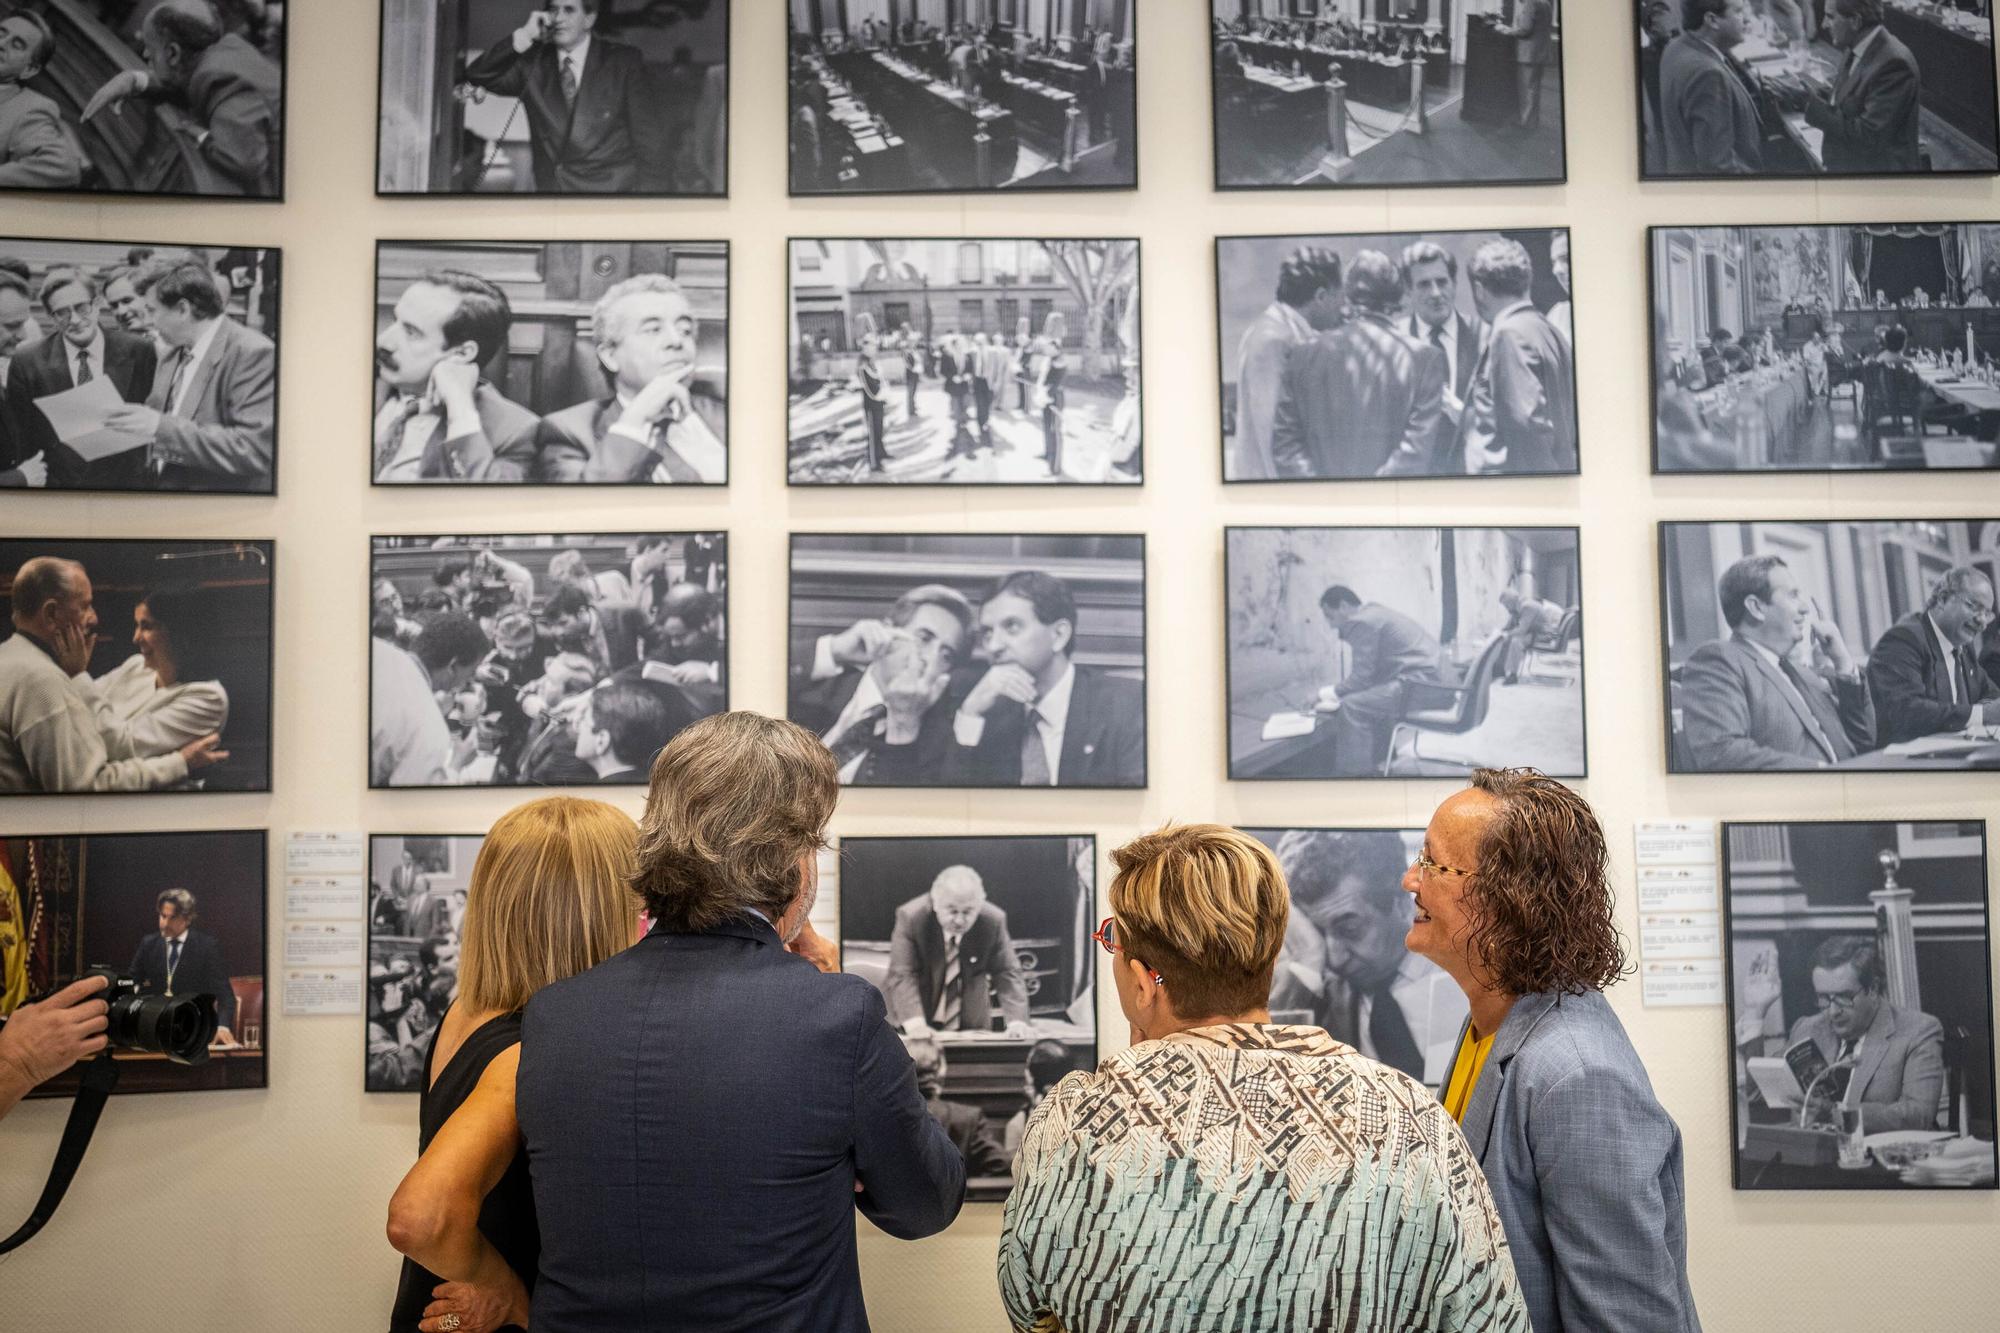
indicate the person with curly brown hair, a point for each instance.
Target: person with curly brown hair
{"x":1513,"y":900}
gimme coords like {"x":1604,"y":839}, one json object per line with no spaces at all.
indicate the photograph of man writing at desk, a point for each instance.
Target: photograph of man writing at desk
{"x":1738,"y":88}
{"x":1762,"y":626}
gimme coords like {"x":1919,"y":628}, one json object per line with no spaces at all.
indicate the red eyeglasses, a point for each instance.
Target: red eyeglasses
{"x":1106,"y":934}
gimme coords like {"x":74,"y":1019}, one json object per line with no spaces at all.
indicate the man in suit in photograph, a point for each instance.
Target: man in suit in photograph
{"x":966,"y":1127}
{"x":1363,"y":399}
{"x":584,"y":96}
{"x":1534,"y":49}
{"x":1896,"y":1054}
{"x":1387,"y":653}
{"x":1872,"y":114}
{"x":1745,"y":704}
{"x":846,"y":690}
{"x":437,"y":419}
{"x":179,"y":960}
{"x":1430,"y":273}
{"x":952,"y":965}
{"x":212,"y":415}
{"x":82,"y":350}
{"x":1924,"y":673}
{"x":37,"y":150}
{"x":1522,"y":414}
{"x":621,"y":727}
{"x":1034,"y":718}
{"x":658,"y":423}
{"x":1528,"y":618}
{"x":1708,"y":102}
{"x":1309,"y":300}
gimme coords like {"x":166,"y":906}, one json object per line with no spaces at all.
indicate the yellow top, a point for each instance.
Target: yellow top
{"x":1465,"y":1067}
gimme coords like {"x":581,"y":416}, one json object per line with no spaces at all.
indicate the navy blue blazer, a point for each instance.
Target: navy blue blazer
{"x":697,"y":1110}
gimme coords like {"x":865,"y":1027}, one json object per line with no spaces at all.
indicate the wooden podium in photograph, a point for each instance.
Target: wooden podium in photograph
{"x":1492,"y":90}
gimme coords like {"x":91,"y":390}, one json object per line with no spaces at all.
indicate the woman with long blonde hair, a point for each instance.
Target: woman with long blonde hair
{"x":550,"y":897}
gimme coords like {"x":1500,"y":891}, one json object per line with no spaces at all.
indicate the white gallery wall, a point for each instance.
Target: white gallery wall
{"x":275,"y":1199}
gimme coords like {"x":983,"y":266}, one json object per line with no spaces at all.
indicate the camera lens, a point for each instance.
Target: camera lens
{"x":178,"y":1027}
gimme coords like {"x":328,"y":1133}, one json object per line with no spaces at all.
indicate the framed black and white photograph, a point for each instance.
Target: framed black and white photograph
{"x":981,"y":948}
{"x":1403,"y":652}
{"x":599,"y":363}
{"x":417,"y":885}
{"x":1860,"y":644}
{"x":1809,"y":348}
{"x":172,"y":914}
{"x":1407,"y":354}
{"x":175,"y":98}
{"x":1318,"y":94}
{"x":1730,"y":89}
{"x":1860,"y":1005}
{"x":964,"y":362}
{"x":605,"y":98}
{"x":949,"y":96}
{"x":1344,"y":966}
{"x":541,"y":660}
{"x":972,"y":660}
{"x":134,"y":666}
{"x":138,"y":367}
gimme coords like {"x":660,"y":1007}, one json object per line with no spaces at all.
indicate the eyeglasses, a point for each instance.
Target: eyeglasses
{"x":1842,"y":1000}
{"x":1106,"y":934}
{"x":1426,"y":866}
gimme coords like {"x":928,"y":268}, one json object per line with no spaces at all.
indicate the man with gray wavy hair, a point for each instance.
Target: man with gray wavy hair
{"x":1924,"y":673}
{"x":660,"y":423}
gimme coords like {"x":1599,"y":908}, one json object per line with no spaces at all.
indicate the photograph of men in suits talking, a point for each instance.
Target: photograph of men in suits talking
{"x":83,"y":349}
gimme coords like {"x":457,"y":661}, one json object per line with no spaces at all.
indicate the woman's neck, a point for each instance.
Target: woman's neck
{"x":1168,"y":1027}
{"x":1489,"y":1010}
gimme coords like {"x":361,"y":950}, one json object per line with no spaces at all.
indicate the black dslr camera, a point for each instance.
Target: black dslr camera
{"x":179,"y":1027}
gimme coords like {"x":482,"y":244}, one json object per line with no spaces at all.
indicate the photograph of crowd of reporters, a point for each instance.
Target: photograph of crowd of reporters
{"x":972,"y":660}
{"x":936,"y":96}
{"x":965,"y":362}
{"x":1793,"y":646}
{"x":154,"y":97}
{"x":982,"y":950}
{"x":1324,"y":93}
{"x":1772,"y":88}
{"x":540,"y":661}
{"x":134,"y":666}
{"x":138,"y":367}
{"x":1403,"y":652}
{"x":1349,"y":357}
{"x":625,"y":98}
{"x":551,"y":362}
{"x":1826,"y":348}
{"x":1343,"y":966}
{"x":181,"y":914}
{"x":416,"y":906}
{"x":1860,"y":1006}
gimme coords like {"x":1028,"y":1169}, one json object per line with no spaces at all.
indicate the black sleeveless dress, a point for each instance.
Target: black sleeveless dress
{"x":507,"y":1217}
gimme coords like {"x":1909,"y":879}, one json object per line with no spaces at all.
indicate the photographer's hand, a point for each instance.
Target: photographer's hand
{"x":42,"y":1040}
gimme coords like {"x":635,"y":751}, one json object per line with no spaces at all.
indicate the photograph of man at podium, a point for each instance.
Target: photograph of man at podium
{"x":1315,"y":94}
{"x":1859,"y":1006}
{"x":981,"y":949}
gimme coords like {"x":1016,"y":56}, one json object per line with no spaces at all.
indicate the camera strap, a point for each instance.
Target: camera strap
{"x":99,"y":1077}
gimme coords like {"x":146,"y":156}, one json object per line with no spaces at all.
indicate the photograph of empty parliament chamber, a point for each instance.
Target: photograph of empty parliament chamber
{"x":1406,"y":354}
{"x":1403,"y":652}
{"x":1795,"y":646}
{"x":1319,"y":94}
{"x":964,"y":362}
{"x":178,"y":915}
{"x":1860,"y":1006}
{"x":1807,"y":348}
{"x":982,"y":950}
{"x":940,"y":96}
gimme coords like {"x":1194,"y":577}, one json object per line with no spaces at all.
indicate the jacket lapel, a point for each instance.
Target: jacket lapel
{"x":1082,"y":729}
{"x":1874,"y":1046}
{"x":219,"y":347}
{"x":1794,"y":698}
{"x":1528,"y":1010}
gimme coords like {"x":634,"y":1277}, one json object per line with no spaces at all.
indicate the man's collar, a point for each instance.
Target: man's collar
{"x":95,"y":347}
{"x":37,"y":641}
{"x":577,"y":53}
{"x":1055,"y":703}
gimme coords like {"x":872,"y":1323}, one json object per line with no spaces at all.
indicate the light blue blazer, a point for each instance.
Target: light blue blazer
{"x":1585,"y":1168}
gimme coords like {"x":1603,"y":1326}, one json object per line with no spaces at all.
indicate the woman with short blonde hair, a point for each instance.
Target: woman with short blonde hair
{"x":1229,"y":1173}
{"x":550,"y":897}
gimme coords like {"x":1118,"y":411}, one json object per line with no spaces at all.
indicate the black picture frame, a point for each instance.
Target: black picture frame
{"x":1225,"y":347}
{"x":1822,"y":1178}
{"x":1145,"y":685}
{"x":1678,"y":764}
{"x":272,"y":257}
{"x":676,"y":250}
{"x":456,"y":69}
{"x":14,"y":551}
{"x":1659,"y":335}
{"x":1133,"y":297}
{"x":793,"y":191}
{"x":1223,"y":186}
{"x":375,"y":848}
{"x":178,"y":133}
{"x":1570,"y":632}
{"x":1639,"y":98}
{"x":727,"y":683}
{"x":150,"y":1076}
